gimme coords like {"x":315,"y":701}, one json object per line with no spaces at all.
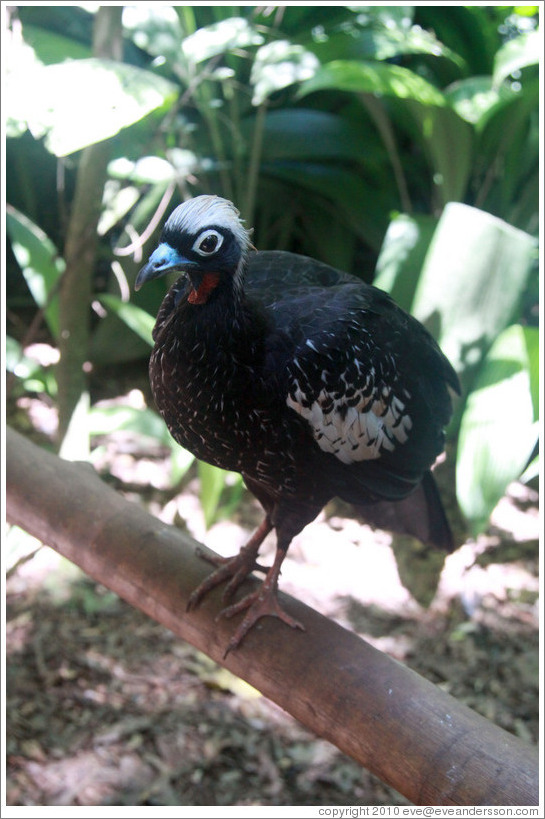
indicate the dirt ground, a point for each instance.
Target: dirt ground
{"x":106,"y":707}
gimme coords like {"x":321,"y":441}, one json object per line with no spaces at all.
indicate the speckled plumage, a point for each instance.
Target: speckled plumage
{"x":309,"y":382}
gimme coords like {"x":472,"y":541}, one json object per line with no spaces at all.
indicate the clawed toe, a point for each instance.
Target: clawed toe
{"x":234,"y":569}
{"x":261,"y":603}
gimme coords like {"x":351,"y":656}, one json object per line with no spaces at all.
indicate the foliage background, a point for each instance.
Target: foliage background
{"x":343,"y":132}
{"x":400,"y":143}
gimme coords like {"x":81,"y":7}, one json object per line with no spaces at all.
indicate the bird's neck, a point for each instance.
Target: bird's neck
{"x":226,"y":317}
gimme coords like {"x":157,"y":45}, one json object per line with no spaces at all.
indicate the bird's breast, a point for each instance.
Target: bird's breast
{"x":216,"y":407}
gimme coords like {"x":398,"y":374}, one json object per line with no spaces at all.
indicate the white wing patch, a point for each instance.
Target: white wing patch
{"x":358,"y":425}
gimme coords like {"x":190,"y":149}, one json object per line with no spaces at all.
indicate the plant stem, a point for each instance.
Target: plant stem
{"x":255,"y":160}
{"x":80,"y":253}
{"x":384,"y":126}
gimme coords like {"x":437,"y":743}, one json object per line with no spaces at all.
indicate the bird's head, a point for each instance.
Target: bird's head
{"x":205,"y":239}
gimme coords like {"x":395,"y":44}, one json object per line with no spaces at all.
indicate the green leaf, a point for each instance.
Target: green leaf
{"x":402,"y":255}
{"x":473,"y":98}
{"x":381,"y":40}
{"x":445,"y":137}
{"x":306,"y":134}
{"x":516,"y":54}
{"x":34,"y":376}
{"x":447,"y":140}
{"x":147,"y":170}
{"x":373,"y":78}
{"x":349,"y":192}
{"x":106,"y":420}
{"x":180,"y":461}
{"x":508,"y":150}
{"x":532,"y":470}
{"x":213,"y":481}
{"x":139,"y":321}
{"x":531,"y":340}
{"x":218,"y":38}
{"x":498,"y":432}
{"x":39,"y":261}
{"x":80,"y":102}
{"x":278,"y":65}
{"x":387,"y":15}
{"x":472,"y":282}
{"x":14,"y":357}
{"x":51,"y":47}
{"x":326,"y":236}
{"x":154,"y":28}
{"x":116,"y":204}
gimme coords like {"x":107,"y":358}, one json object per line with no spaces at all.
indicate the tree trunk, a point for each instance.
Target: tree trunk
{"x":80,"y":256}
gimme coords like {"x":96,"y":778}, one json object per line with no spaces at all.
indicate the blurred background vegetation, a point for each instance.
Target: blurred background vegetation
{"x":399,"y":143}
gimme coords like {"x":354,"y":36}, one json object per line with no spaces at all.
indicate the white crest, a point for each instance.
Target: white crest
{"x":206,"y":211}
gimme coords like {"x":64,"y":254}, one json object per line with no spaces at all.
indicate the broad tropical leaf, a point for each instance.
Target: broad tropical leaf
{"x":517,"y":54}
{"x":79,"y":102}
{"x":367,"y":77}
{"x":495,"y":445}
{"x":40,"y":262}
{"x":402,"y":255}
{"x":472,"y":282}
{"x":134,"y":317}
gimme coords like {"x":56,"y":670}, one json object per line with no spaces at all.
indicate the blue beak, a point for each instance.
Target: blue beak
{"x":161,"y":261}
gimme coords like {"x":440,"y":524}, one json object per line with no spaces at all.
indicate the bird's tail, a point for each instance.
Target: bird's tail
{"x":420,"y":514}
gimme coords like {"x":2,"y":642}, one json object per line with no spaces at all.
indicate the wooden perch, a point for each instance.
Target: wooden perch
{"x":401,"y":727}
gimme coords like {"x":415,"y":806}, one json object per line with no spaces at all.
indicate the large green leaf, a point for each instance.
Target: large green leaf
{"x":218,"y":38}
{"x":139,"y":321}
{"x":445,"y":137}
{"x":516,"y":54}
{"x":373,"y":78}
{"x":279,"y":64}
{"x":306,"y":134}
{"x":51,"y":47}
{"x":507,"y":153}
{"x":402,"y":255}
{"x":213,"y":481}
{"x":376,"y":36}
{"x":499,"y":428}
{"x":154,"y":28}
{"x":143,"y":421}
{"x":469,"y":30}
{"x":301,"y":22}
{"x":34,"y":376}
{"x":79,"y":102}
{"x":350,"y":193}
{"x":40,"y":263}
{"x":473,"y":98}
{"x":447,"y":141}
{"x":472,"y":281}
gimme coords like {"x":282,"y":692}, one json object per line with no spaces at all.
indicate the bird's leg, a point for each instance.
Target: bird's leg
{"x":262,"y":602}
{"x":235,"y":569}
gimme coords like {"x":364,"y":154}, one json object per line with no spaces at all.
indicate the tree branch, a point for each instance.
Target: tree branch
{"x":401,"y":727}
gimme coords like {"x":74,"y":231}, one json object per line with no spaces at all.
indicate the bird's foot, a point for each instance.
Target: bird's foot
{"x":260,"y":603}
{"x":235,"y":569}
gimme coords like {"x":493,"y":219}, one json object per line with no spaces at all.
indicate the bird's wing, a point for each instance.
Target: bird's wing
{"x":348,"y":389}
{"x":273,"y":274}
{"x":369,"y":381}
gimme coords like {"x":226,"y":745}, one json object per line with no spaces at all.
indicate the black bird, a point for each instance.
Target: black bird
{"x":306,"y":380}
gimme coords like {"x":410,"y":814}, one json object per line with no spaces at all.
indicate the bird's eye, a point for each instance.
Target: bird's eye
{"x":208,"y":243}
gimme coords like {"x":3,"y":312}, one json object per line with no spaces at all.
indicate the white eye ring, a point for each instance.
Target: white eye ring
{"x":206,"y":238}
